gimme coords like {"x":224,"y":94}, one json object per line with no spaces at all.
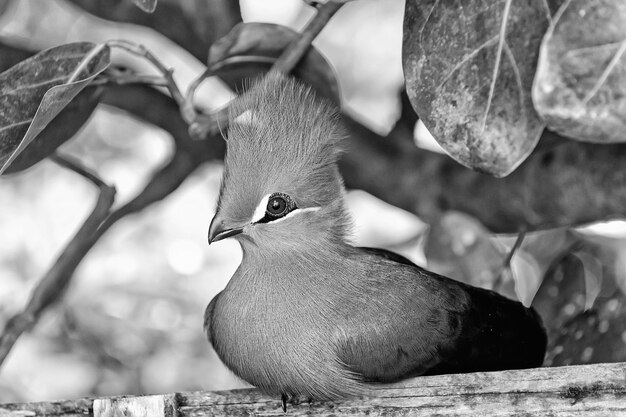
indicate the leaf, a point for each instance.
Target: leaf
{"x":527,"y":276}
{"x":251,"y":49}
{"x":147,"y":6}
{"x":593,"y":274}
{"x":469,"y":67}
{"x":609,"y":241}
{"x":581,"y":303}
{"x":61,"y":129}
{"x":192,"y":24}
{"x":35,"y":91}
{"x":460,"y":247}
{"x":580,"y":86}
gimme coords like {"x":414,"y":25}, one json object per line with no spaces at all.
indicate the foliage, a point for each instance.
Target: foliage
{"x":581,"y":76}
{"x":36,"y":90}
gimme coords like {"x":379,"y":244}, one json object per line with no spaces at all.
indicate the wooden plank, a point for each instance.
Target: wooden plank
{"x":73,"y":408}
{"x":148,"y":406}
{"x":585,"y":390}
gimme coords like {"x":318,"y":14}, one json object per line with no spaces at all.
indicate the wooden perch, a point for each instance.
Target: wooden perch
{"x":584,"y":390}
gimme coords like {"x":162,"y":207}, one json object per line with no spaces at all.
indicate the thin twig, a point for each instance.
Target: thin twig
{"x":75,"y":165}
{"x":506,"y":265}
{"x":54,"y":283}
{"x":212,"y":123}
{"x":188,"y":109}
{"x":314,"y":3}
{"x":296,"y":50}
{"x":123,"y":78}
{"x":518,"y":243}
{"x":141,"y":51}
{"x":162,"y":183}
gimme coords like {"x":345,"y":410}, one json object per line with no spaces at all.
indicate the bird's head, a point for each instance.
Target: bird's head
{"x":281,"y":184}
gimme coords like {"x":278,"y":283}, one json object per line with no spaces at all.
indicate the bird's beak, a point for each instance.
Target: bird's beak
{"x":217,"y":231}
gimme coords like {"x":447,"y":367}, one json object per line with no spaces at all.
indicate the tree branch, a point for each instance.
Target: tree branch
{"x":123,"y":77}
{"x":54,"y":283}
{"x":163,"y":183}
{"x":75,"y":165}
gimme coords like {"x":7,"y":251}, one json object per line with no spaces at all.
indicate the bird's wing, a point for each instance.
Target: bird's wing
{"x":403,"y":322}
{"x":419,"y":322}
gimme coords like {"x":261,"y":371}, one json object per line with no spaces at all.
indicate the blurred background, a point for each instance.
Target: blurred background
{"x":131,"y":321}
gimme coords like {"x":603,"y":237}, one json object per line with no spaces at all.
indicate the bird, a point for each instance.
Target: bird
{"x":309,"y":314}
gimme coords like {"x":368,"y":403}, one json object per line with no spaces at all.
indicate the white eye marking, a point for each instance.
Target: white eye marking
{"x":259,"y":212}
{"x":296,"y":211}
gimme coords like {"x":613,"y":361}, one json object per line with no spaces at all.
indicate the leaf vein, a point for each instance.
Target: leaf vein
{"x":430,"y":12}
{"x":518,"y":78}
{"x":9,"y":126}
{"x":607,"y":71}
{"x":593,"y":48}
{"x":496,"y":66}
{"x":24,"y":87}
{"x":546,"y":8}
{"x":465,"y":59}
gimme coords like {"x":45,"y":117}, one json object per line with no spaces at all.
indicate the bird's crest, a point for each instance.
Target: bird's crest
{"x":281,"y":138}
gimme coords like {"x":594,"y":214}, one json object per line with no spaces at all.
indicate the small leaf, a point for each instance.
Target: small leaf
{"x":527,"y":276}
{"x":593,"y":277}
{"x":251,"y":49}
{"x":580,"y":85}
{"x":35,"y":91}
{"x":609,"y":239}
{"x":147,"y":6}
{"x":469,"y":67}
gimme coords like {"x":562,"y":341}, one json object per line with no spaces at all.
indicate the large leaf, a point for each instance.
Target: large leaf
{"x":35,"y":91}
{"x":146,"y":5}
{"x":251,"y":49}
{"x":469,"y":67}
{"x":580,"y":86}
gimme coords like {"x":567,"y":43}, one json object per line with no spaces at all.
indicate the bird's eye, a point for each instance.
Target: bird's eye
{"x":278,"y":205}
